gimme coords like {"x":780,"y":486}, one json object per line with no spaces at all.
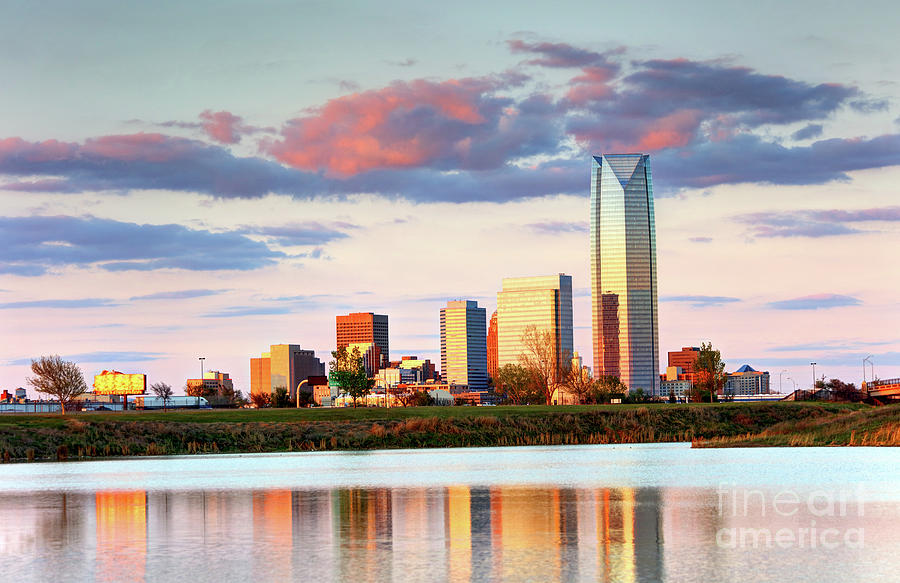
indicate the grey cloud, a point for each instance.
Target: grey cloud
{"x":813,"y":130}
{"x":44,"y":242}
{"x":814,"y":223}
{"x":180,"y":294}
{"x":558,"y":227}
{"x":700,"y":301}
{"x":102,"y":357}
{"x":61,"y":304}
{"x":815,"y":302}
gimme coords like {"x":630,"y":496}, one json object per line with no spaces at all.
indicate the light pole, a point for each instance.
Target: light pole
{"x":779,"y":380}
{"x":871,"y":364}
{"x":794,"y":383}
{"x":814,"y":376}
{"x":864,"y":371}
{"x":202,"y":358}
{"x":303,"y":382}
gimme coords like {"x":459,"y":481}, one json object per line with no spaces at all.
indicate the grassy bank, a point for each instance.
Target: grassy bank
{"x":863,"y":427}
{"x":90,"y":435}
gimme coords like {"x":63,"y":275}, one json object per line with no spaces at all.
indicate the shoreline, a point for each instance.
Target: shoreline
{"x":74,"y":437}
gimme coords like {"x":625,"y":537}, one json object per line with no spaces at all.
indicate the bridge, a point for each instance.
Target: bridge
{"x":888,"y":389}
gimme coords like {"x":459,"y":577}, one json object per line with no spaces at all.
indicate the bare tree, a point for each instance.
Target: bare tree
{"x":541,"y":359}
{"x":577,"y":380}
{"x":58,"y":378}
{"x":195,"y":390}
{"x":162,"y":391}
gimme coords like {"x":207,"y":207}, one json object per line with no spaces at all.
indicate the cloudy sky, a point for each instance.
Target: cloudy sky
{"x":207,"y":178}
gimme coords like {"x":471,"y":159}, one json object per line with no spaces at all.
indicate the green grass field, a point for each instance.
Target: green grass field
{"x":89,"y":435}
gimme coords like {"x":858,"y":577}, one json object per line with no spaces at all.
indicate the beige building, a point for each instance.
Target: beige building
{"x":544,"y":302}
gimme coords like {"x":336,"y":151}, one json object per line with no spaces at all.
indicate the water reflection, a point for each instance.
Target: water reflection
{"x":455,"y":533}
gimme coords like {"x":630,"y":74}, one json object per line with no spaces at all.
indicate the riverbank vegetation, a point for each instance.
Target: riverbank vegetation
{"x":94,"y":435}
{"x":861,"y":427}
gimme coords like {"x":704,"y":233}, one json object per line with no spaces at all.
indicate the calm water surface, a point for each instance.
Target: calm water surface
{"x":654,"y":512}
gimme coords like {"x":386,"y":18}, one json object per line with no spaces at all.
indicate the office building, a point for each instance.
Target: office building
{"x":624,"y":314}
{"x":363,"y":327}
{"x":370,"y":354}
{"x":285,"y":365}
{"x":747,"y":381}
{"x":492,"y":347}
{"x":685,"y":359}
{"x":543,"y":302}
{"x":214,"y":383}
{"x":464,"y":344}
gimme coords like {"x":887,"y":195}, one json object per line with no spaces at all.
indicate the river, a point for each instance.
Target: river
{"x":649,"y":512}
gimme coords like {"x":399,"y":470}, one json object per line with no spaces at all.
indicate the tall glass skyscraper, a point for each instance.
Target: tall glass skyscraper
{"x":623,"y":271}
{"x":463,"y":344}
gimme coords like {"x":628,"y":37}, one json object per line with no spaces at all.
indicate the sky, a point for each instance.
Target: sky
{"x":204,"y":179}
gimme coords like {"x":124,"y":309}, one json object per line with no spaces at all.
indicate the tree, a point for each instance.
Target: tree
{"x":577,"y":381}
{"x":605,"y":387}
{"x":58,"y":378}
{"x":349,"y":373}
{"x":709,"y":371}
{"x":162,"y":391}
{"x":260,"y":399}
{"x":280,"y":398}
{"x":194,"y":391}
{"x":422,"y":399}
{"x":239,"y":400}
{"x":541,"y":359}
{"x":515,"y":383}
{"x":841,"y":391}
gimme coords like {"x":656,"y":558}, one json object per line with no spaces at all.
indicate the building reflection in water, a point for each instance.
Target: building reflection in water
{"x":121,"y":549}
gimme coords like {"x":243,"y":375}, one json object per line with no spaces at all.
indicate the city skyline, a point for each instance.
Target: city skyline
{"x":220,"y":192}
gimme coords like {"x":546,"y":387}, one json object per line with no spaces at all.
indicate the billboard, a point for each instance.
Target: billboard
{"x":112,"y":382}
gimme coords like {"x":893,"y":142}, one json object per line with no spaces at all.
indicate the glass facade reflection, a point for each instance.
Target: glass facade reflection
{"x":623,"y":271}
{"x":708,"y":529}
{"x":463,"y":344}
{"x":544,"y":302}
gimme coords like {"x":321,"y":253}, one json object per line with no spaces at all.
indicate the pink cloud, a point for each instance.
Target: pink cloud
{"x":593,"y":85}
{"x":403,"y":125}
{"x":223,"y":126}
{"x":46,"y":151}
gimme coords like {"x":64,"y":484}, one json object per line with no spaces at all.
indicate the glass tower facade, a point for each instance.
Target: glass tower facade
{"x":623,"y":271}
{"x":464,"y":344}
{"x":544,"y":302}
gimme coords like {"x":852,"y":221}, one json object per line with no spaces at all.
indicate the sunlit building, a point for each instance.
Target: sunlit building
{"x":747,"y":381}
{"x":364,"y":327}
{"x":544,"y":302}
{"x":214,"y":383}
{"x":285,"y":365}
{"x":624,"y":315}
{"x":492,"y":346}
{"x":464,"y":344}
{"x":370,"y":354}
{"x":684,"y":359}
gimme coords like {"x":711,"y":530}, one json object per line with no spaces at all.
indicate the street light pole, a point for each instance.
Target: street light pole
{"x":202,"y":358}
{"x":814,"y":376}
{"x":779,"y":380}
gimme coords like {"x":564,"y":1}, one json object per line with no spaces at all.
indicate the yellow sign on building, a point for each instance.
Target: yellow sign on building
{"x":112,"y":382}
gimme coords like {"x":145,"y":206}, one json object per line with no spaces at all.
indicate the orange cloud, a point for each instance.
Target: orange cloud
{"x":403,"y":125}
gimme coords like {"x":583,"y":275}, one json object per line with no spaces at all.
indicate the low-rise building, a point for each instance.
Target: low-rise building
{"x":747,"y":381}
{"x":214,"y":383}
